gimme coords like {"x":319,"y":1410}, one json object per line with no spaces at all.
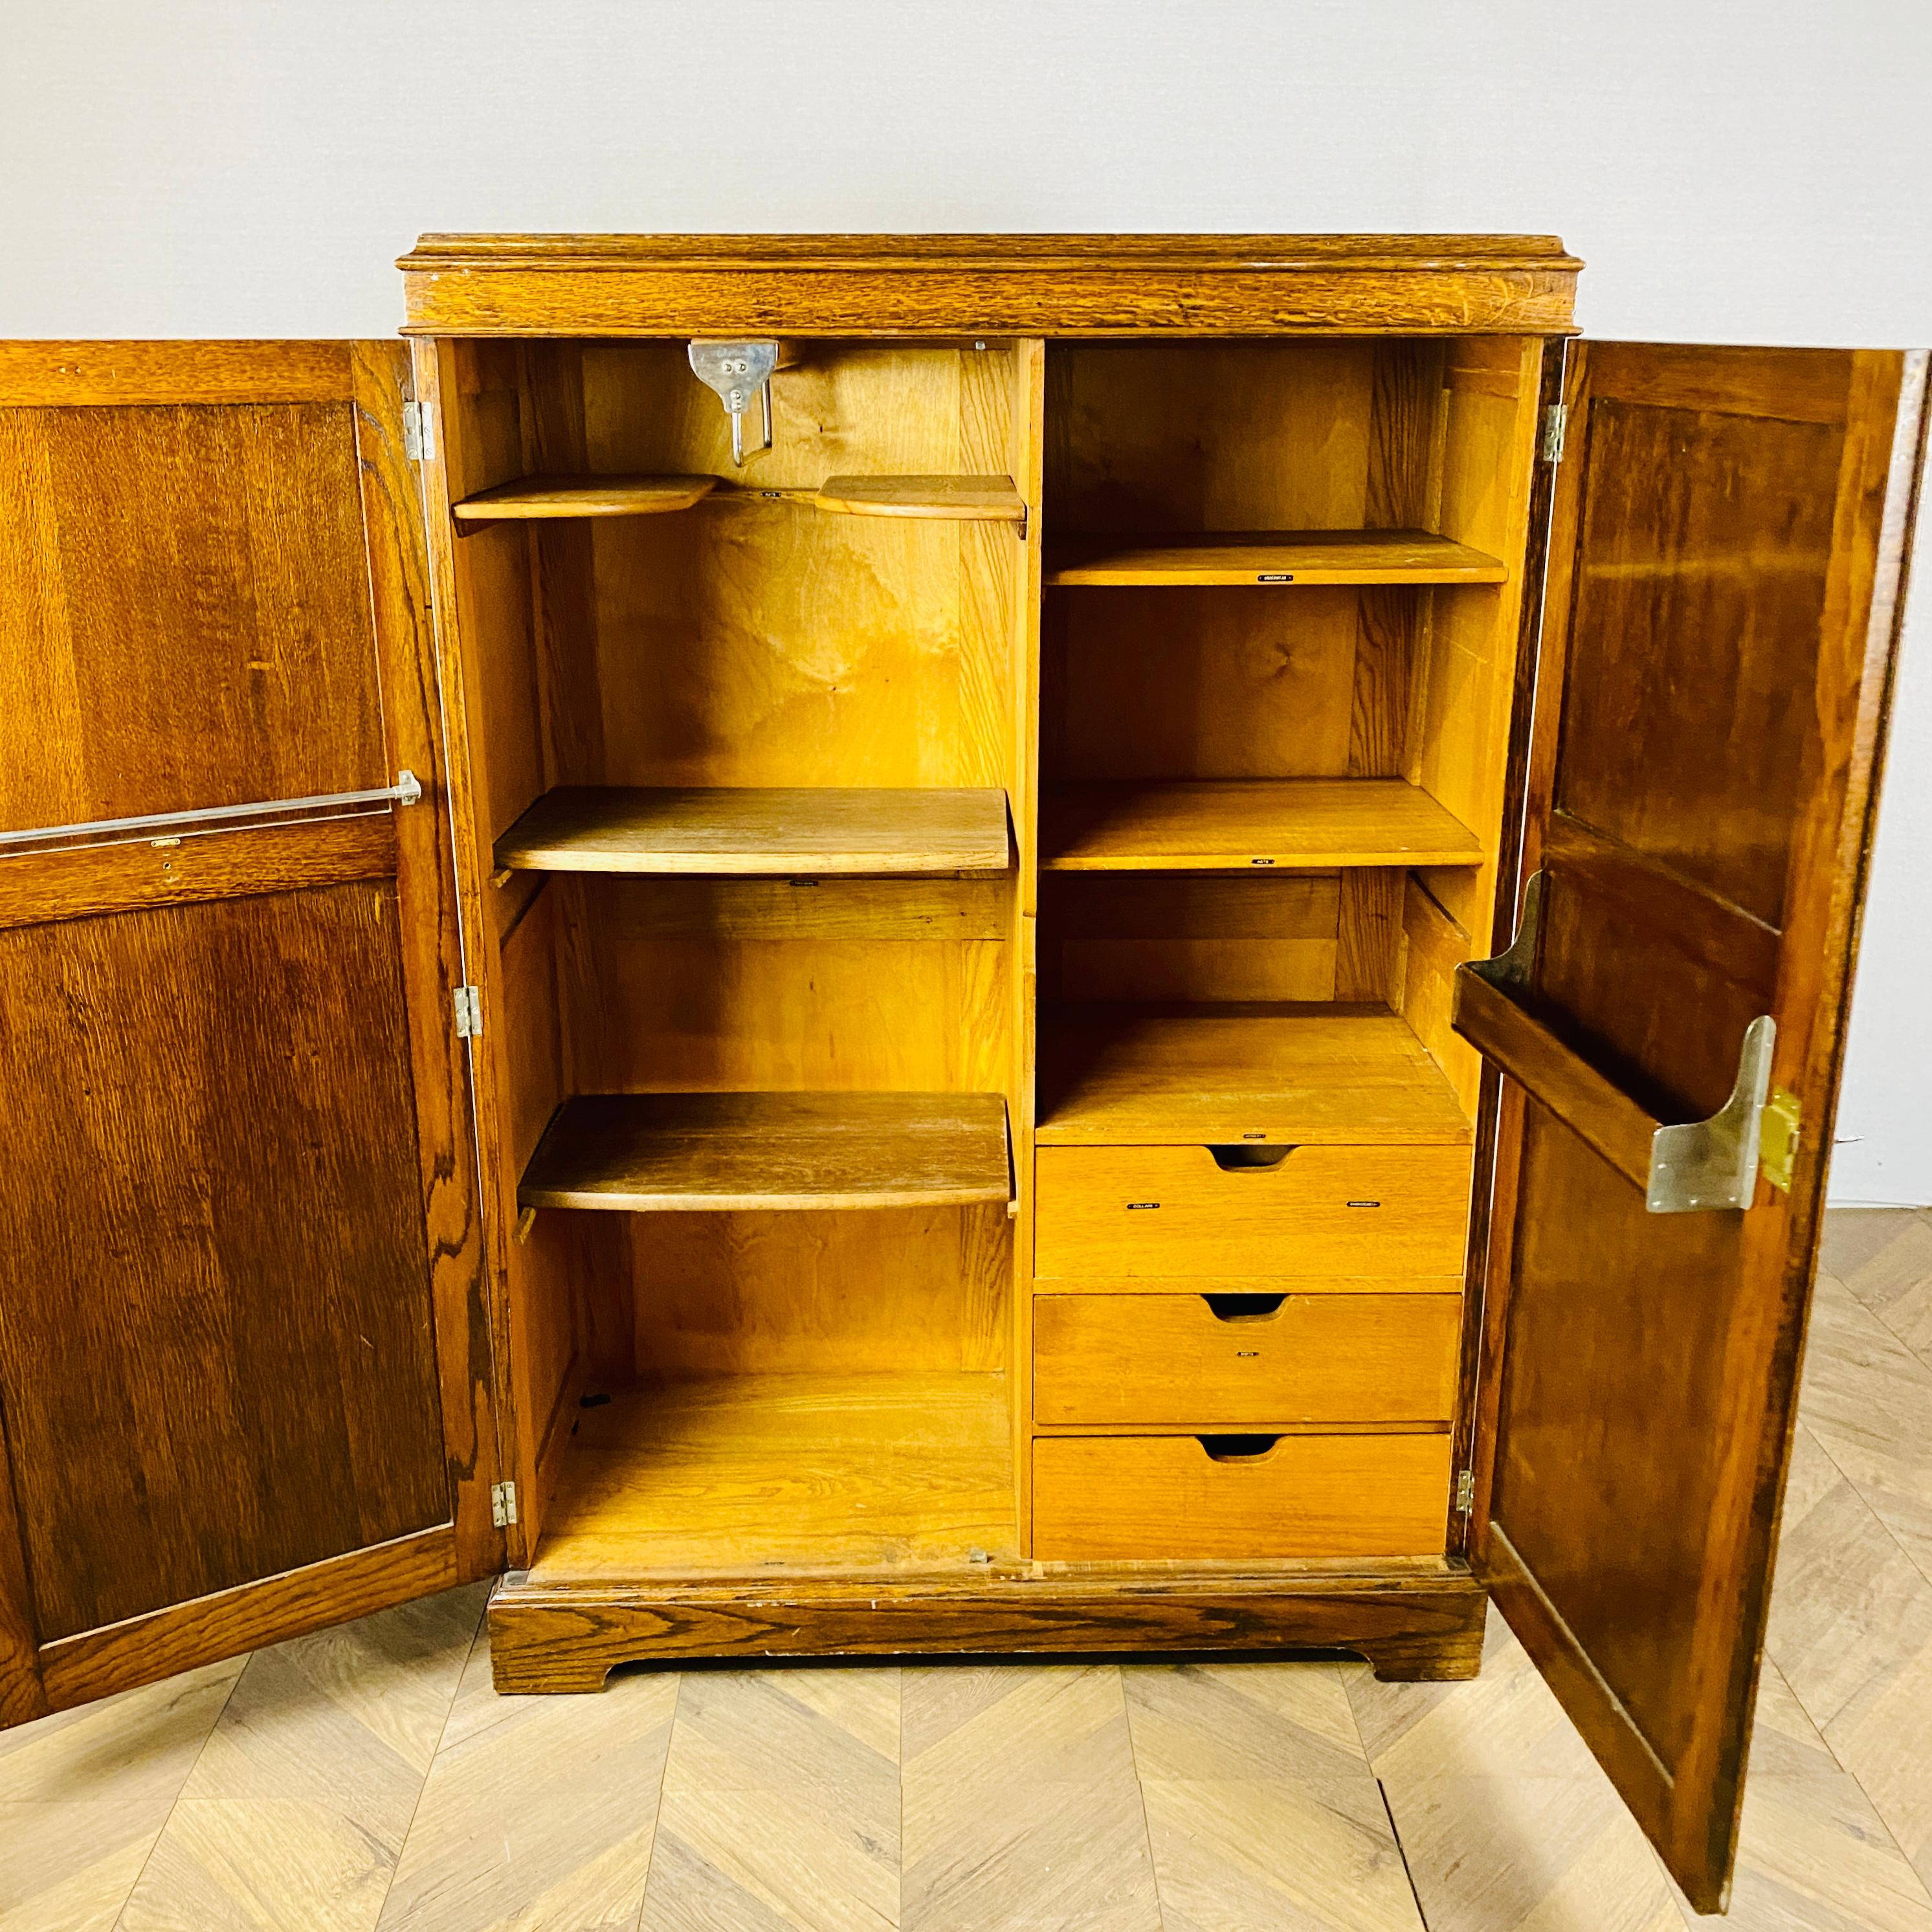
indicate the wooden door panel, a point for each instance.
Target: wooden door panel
{"x":213,"y":1327}
{"x":186,"y":600}
{"x":244,"y":1370}
{"x":1727,"y":538}
{"x":1687,"y":702}
{"x":1578,"y":1304}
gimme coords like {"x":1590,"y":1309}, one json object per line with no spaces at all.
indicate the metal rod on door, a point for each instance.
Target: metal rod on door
{"x":406,"y":791}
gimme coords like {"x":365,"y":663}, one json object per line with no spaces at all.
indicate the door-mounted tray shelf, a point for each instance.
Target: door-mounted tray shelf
{"x":1681,"y":1168}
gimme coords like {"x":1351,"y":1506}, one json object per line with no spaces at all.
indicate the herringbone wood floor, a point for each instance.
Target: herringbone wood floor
{"x":367,"y":1780}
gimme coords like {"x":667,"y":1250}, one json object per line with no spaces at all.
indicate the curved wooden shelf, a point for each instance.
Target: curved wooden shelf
{"x":982,"y":499}
{"x":673,"y":1153}
{"x":1236,"y":824}
{"x":760,"y":830}
{"x":979,"y":499}
{"x":528,"y":498}
{"x":1274,"y":557}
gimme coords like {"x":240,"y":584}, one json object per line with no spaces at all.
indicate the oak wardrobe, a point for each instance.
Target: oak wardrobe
{"x":905,"y":944}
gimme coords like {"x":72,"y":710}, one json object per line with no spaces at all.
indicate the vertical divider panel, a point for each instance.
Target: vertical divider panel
{"x":1402,"y":490}
{"x":1027,"y":462}
{"x":1466,"y":698}
{"x":555,"y":419}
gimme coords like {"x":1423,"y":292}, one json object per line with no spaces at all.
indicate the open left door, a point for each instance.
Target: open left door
{"x":1727,"y":549}
{"x":244,"y":1373}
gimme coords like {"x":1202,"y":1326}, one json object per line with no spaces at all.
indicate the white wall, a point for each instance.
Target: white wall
{"x":1744,"y":173}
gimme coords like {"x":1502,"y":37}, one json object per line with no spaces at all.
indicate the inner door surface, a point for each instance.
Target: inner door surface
{"x":1727,"y":548}
{"x":240,"y":1381}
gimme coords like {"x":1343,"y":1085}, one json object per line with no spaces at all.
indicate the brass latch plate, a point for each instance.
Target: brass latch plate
{"x":1777,"y":1138}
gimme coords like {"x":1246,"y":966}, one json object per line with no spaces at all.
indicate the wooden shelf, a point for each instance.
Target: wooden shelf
{"x":1273,"y":556}
{"x":759,"y":831}
{"x":529,"y":497}
{"x":979,"y":499}
{"x":752,"y":1474}
{"x":1211,"y":826}
{"x":657,"y":1152}
{"x":1177,"y":1075}
{"x":982,"y":499}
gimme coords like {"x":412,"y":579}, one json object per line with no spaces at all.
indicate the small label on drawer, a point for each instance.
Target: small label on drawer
{"x":1134,"y":1206}
{"x":1362,"y":1204}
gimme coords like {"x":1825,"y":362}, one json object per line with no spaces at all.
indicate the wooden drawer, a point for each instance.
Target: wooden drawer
{"x":1349,"y":1211}
{"x":1124,"y":1498}
{"x":1228,"y":1361}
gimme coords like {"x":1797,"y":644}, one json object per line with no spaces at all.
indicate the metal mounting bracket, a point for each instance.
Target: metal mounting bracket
{"x":736,"y":371}
{"x":1713,"y":1163}
{"x":1509,"y":972}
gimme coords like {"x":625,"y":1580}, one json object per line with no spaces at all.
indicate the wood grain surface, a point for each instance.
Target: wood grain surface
{"x":254,"y":1273}
{"x":225,"y":1368}
{"x":430,"y":954}
{"x":1122,"y":1498}
{"x":759,"y":829}
{"x":1724,"y":566}
{"x":1028,"y":285}
{"x":1176,"y":1211}
{"x":1212,"y":1073}
{"x":1200,"y":1362}
{"x":77,"y":882}
{"x":809,"y":1474}
{"x":192,"y":623}
{"x":525,"y":499}
{"x":145,"y":1649}
{"x":1273,"y":556}
{"x":1513,"y":1039}
{"x":1410,"y":1620}
{"x":972,"y":499}
{"x":65,"y":375}
{"x":637,"y":1153}
{"x":1259,"y":935}
{"x":1319,"y":824}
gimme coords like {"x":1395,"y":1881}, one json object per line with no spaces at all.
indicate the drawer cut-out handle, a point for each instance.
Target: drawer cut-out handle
{"x":1244,"y":1307}
{"x":1237,"y":1448}
{"x":1233,"y":1157}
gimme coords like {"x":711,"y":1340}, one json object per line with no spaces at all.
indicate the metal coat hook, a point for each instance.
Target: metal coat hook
{"x":736,"y":371}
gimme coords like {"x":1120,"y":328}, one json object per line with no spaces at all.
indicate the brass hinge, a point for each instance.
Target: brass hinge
{"x":1555,"y":422}
{"x":1779,"y":1126}
{"x":1465,"y":1491}
{"x":503,"y":1503}
{"x":418,"y":432}
{"x":468,"y":1002}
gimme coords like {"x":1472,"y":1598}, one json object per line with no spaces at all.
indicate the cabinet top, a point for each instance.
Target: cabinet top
{"x":1103,"y":285}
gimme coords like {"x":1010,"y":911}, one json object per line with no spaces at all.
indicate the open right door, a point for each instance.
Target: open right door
{"x":1726,"y":546}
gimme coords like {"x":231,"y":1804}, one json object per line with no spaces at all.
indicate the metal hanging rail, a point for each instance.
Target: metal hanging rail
{"x":407,"y":790}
